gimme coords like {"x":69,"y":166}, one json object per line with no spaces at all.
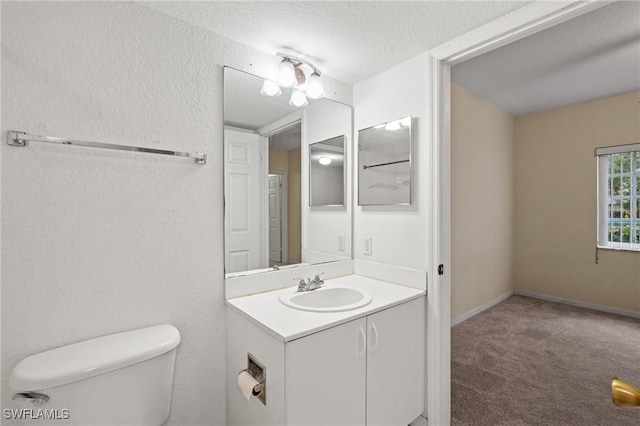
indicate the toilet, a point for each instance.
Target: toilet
{"x":119,"y":379}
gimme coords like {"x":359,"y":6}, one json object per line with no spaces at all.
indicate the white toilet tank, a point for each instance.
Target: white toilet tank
{"x":120,"y":379}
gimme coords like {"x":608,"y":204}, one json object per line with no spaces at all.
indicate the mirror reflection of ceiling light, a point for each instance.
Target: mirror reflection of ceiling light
{"x":291,"y":74}
{"x":392,"y":125}
{"x":397,"y":124}
{"x":325,"y":161}
{"x":271,"y":88}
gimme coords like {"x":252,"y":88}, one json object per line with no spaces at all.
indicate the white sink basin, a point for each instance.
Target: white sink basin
{"x":331,"y":299}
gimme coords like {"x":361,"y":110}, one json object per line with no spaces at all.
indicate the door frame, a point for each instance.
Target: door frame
{"x":264,"y":200}
{"x":265,"y":132}
{"x":521,"y":23}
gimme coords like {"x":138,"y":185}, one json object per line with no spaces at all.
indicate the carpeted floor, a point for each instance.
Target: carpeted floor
{"x":531,"y":362}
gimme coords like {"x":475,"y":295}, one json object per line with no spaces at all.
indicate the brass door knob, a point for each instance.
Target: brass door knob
{"x":624,"y":394}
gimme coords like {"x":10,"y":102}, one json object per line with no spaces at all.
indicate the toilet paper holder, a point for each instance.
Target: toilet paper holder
{"x":258,"y":371}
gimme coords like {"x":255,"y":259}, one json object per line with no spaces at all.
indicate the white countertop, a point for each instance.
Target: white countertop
{"x":286,"y":324}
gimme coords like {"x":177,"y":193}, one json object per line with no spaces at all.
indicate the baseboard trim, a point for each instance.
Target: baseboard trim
{"x":594,"y":306}
{"x":475,"y":311}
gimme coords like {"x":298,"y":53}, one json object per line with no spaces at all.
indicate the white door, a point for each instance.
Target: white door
{"x":242,"y":201}
{"x":395,"y":364}
{"x":275,"y":218}
{"x":325,"y":378}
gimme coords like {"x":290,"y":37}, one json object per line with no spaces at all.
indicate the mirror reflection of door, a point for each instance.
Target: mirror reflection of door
{"x":242,"y":218}
{"x":276,"y":202}
{"x":285,"y":197}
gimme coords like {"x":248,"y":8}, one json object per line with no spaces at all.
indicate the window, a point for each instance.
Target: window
{"x":619,"y":197}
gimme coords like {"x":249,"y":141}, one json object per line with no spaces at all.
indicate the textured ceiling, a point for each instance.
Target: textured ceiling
{"x":350,"y":41}
{"x":589,"y":57}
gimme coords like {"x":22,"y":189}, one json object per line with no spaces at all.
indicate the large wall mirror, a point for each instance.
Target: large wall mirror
{"x":271,"y":219}
{"x":384,"y":164}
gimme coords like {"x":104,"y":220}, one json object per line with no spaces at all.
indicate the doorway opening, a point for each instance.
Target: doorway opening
{"x":502,"y":123}
{"x":525,"y":21}
{"x":284,"y":192}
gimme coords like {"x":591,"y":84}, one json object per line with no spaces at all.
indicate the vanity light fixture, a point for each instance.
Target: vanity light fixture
{"x":301,"y":78}
{"x":314,"y":89}
{"x":287,"y":73}
{"x":298,"y":99}
{"x":325,"y":161}
{"x":292,"y":75}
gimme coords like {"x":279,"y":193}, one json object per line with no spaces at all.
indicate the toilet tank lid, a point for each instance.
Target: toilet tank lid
{"x":93,"y":357}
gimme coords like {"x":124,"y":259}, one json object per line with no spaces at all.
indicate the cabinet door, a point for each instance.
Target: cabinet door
{"x":325,"y":380}
{"x":395,"y":364}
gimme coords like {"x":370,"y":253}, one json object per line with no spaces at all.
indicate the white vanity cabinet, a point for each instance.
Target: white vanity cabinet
{"x":326,"y":377}
{"x":369,"y":371}
{"x":395,"y":364}
{"x":357,"y":367}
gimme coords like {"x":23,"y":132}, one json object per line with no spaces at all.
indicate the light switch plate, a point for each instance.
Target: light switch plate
{"x":341,"y":242}
{"x":367,"y":246}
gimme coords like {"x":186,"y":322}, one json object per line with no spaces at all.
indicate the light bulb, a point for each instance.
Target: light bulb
{"x":286,"y":73}
{"x":325,"y":161}
{"x":392,"y":125}
{"x":314,"y":89}
{"x":300,"y":77}
{"x":298,"y":99}
{"x":270,"y":88}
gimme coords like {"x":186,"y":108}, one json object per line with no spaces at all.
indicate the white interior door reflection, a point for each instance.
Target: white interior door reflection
{"x":276,"y":202}
{"x":242,"y":215}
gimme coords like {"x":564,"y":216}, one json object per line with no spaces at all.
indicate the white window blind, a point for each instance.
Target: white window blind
{"x":619,"y":197}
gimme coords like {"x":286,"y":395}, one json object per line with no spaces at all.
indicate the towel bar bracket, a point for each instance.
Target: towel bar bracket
{"x":14,"y":139}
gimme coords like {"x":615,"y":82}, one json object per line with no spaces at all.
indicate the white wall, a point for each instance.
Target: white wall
{"x":556,"y":203}
{"x":399,"y":233}
{"x":96,"y":242}
{"x":322,"y":225}
{"x":328,"y":188}
{"x":515,"y":183}
{"x":482,"y":201}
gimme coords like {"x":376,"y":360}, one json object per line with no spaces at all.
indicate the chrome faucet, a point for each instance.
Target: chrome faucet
{"x":303,"y":286}
{"x":310,"y":284}
{"x":316,"y":282}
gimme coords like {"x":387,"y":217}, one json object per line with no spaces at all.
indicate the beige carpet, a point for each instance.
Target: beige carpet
{"x":532,"y":362}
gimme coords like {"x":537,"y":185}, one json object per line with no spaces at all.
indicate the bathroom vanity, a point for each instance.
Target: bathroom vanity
{"x":326,"y":366}
{"x":353,"y":351}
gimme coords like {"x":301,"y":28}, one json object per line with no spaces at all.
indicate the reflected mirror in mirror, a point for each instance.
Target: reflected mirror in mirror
{"x":384,"y":164}
{"x":327,"y":172}
{"x":269,"y":223}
